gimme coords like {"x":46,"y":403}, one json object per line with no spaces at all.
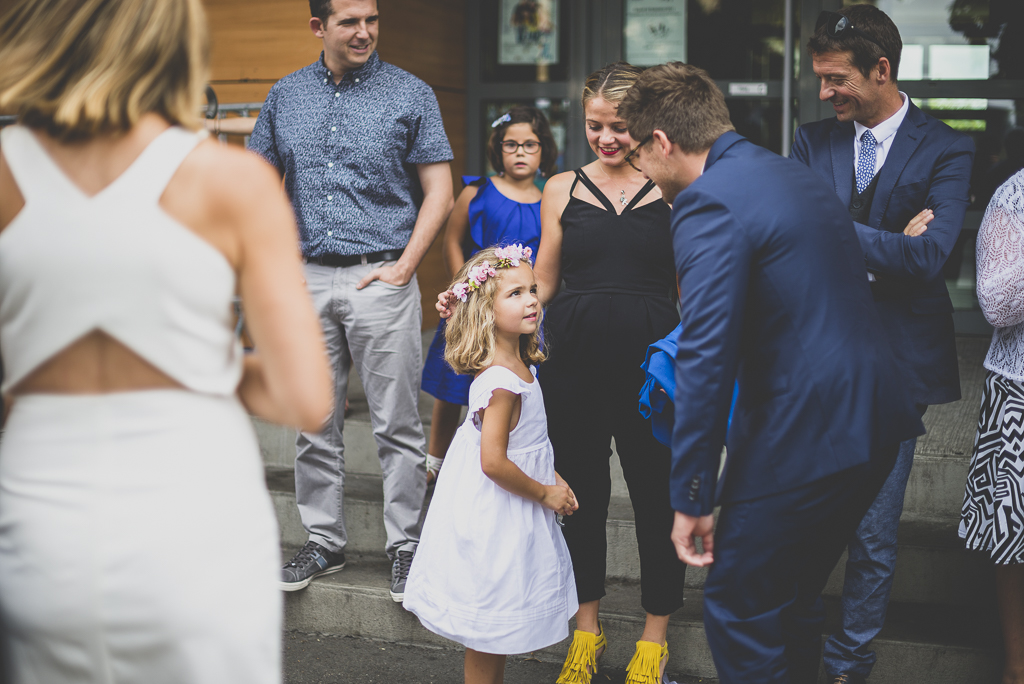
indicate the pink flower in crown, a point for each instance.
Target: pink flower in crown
{"x":511,"y":255}
{"x":460,"y":290}
{"x":507,"y":254}
{"x":479,"y":274}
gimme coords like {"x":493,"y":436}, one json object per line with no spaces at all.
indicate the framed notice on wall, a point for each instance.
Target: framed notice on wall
{"x":528,"y":32}
{"x":655,"y":31}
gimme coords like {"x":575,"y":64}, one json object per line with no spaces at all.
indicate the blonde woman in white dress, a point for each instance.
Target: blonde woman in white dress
{"x":137,"y":539}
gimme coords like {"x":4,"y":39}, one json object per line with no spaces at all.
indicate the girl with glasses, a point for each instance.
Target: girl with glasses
{"x":496,"y":210}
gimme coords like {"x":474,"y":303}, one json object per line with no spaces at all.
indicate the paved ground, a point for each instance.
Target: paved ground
{"x":322,"y":659}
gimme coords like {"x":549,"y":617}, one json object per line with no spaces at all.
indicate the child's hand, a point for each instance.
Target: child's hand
{"x":575,"y":503}
{"x":559,"y":498}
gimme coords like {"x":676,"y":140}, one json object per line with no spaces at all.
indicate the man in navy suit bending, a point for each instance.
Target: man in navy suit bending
{"x":903,"y":178}
{"x":773,"y":295}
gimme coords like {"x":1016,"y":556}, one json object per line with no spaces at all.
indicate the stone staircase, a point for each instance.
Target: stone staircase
{"x":942,"y":624}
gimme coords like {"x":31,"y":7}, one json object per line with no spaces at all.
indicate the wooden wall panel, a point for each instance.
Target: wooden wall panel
{"x":259,"y":39}
{"x":256,"y":42}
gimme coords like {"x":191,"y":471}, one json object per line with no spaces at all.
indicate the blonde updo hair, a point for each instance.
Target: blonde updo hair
{"x":610,"y":83}
{"x":469,"y":336}
{"x":79,"y":68}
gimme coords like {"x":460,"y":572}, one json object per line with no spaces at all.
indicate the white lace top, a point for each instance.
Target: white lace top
{"x":1001,"y":277}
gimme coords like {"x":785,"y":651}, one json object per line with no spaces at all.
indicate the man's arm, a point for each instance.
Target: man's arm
{"x":800,"y":152}
{"x":436,"y":181}
{"x":713,"y":259}
{"x":922,"y":255}
{"x":262,"y":140}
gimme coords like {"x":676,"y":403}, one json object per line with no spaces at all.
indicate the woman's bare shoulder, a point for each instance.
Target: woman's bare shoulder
{"x":231,"y":172}
{"x":560,"y":182}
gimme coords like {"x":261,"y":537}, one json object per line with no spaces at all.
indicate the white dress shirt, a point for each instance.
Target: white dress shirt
{"x":884,"y":134}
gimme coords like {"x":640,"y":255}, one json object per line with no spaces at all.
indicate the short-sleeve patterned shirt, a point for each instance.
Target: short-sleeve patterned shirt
{"x":348,"y":152}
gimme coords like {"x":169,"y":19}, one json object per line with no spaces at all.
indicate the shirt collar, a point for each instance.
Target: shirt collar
{"x":888,"y":127}
{"x":367,"y":70}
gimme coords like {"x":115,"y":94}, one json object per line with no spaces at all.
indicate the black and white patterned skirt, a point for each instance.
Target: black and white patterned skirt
{"x":992,"y":518}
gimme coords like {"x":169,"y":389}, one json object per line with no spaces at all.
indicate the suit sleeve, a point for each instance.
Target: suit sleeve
{"x":713,"y":258}
{"x":922,"y":257}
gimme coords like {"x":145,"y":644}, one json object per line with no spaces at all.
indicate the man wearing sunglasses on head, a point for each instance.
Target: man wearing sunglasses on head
{"x":904,"y":177}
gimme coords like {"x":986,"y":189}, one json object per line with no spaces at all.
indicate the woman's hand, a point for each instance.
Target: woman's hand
{"x":446,"y":304}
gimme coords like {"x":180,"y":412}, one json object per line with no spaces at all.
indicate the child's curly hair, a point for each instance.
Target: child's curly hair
{"x":469,"y":335}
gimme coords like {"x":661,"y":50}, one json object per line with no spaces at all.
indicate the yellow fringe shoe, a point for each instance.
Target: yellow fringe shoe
{"x":645,"y":667}
{"x":581,"y":661}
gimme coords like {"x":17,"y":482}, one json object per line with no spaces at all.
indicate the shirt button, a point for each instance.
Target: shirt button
{"x":330,"y":197}
{"x":330,"y":165}
{"x":337,"y":94}
{"x":325,"y":80}
{"x":357,"y":80}
{"x":334,"y":128}
{"x":330,"y":233}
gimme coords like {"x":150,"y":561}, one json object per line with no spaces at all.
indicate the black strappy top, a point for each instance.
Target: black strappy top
{"x":627,"y":253}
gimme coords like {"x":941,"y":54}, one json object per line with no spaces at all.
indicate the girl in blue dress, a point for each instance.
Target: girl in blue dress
{"x":495,"y":210}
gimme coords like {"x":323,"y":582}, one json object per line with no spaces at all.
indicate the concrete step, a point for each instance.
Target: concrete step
{"x":934,"y":493}
{"x":932,"y":565}
{"x":920,"y":644}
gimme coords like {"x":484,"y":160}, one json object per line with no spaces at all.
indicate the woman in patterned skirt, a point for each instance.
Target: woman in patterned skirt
{"x":993,"y":511}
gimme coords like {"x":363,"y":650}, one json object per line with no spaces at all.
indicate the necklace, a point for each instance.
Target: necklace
{"x":622,"y":193}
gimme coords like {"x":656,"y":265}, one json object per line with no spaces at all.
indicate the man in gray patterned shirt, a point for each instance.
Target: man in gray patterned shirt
{"x":364,"y":155}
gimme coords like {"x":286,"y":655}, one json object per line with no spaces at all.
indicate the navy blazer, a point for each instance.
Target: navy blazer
{"x":774,"y":295}
{"x":928,"y":166}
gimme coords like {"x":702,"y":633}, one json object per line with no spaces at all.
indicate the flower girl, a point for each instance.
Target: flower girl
{"x":492,"y":570}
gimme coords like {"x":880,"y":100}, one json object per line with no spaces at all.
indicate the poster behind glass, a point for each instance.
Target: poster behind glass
{"x":655,"y":31}
{"x":529,"y":32}
{"x":525,"y":41}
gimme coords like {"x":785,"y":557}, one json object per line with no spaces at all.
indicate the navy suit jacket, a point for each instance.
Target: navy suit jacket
{"x":774,"y":295}
{"x":928,"y":166}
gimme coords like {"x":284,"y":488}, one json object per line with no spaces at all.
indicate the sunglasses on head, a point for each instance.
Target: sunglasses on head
{"x":836,"y":25}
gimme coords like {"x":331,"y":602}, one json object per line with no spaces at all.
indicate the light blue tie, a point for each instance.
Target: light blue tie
{"x":865,"y":161}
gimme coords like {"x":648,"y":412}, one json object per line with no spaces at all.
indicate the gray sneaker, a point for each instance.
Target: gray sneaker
{"x":310,"y":562}
{"x":399,"y":574}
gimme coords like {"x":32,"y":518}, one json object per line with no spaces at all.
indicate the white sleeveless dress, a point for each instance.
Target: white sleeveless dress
{"x":137,"y":539}
{"x":492,"y":570}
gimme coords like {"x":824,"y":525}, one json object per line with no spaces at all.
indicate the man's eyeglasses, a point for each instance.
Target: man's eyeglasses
{"x":836,"y":25}
{"x":631,"y":155}
{"x":511,"y":146}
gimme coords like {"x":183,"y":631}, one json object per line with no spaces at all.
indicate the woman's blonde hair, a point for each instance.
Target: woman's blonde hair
{"x":78,"y":68}
{"x":469,"y":337}
{"x":610,"y":83}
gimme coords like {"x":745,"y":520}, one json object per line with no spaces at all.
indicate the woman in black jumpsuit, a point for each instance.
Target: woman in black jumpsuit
{"x":605,"y":232}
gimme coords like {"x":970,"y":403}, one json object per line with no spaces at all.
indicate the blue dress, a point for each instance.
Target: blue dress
{"x":493,"y":220}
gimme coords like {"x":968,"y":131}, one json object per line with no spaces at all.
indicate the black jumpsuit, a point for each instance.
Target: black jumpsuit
{"x":619,"y":297}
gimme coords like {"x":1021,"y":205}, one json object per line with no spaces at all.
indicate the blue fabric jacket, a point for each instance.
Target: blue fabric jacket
{"x":660,"y":386}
